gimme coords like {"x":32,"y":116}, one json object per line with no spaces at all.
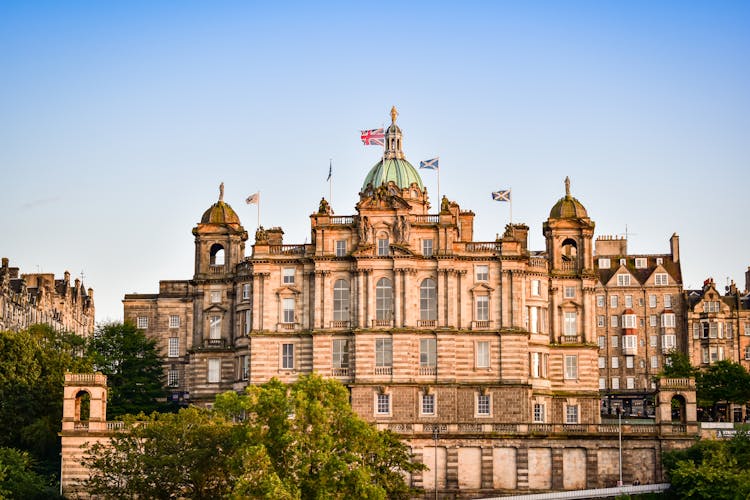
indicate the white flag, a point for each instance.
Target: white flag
{"x":253,"y":199}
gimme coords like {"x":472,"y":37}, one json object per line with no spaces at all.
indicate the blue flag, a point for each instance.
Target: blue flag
{"x":502,"y":195}
{"x":430,"y":164}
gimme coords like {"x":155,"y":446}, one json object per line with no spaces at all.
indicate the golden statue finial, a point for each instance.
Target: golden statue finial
{"x":567,"y":186}
{"x":394,"y":114}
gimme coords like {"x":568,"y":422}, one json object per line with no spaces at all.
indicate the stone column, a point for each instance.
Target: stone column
{"x":398,"y":299}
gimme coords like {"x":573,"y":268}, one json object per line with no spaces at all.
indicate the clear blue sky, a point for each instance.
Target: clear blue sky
{"x":118,"y":121}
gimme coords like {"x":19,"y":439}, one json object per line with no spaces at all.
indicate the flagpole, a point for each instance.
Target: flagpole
{"x":330,"y":181}
{"x":438,"y":193}
{"x":510,"y":191}
{"x":258,"y":208}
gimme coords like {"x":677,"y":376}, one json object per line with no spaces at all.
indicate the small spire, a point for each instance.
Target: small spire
{"x":394,"y":114}
{"x":567,"y":186}
{"x":221,"y":193}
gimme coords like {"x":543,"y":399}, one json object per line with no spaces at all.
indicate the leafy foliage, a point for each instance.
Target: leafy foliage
{"x":710,"y":469}
{"x":678,"y":365}
{"x":298,"y":441}
{"x":133,"y":368}
{"x":723,"y":381}
{"x":18,"y":479}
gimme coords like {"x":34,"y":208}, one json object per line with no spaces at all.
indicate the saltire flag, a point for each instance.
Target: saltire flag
{"x":330,"y":171}
{"x":374,"y":137}
{"x":253,"y":199}
{"x":430,"y":164}
{"x":502,"y":195}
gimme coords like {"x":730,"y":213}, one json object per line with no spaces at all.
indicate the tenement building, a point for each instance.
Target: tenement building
{"x":28,"y":299}
{"x":485,"y":355}
{"x":640,"y":318}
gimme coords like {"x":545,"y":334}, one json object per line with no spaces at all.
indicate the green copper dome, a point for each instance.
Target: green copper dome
{"x":394,"y":166}
{"x":398,"y":170}
{"x":568,"y":207}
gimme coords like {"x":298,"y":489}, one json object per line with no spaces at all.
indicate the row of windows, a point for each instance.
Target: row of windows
{"x":668,"y":320}
{"x":640,"y":262}
{"x":629,"y":362}
{"x":652,"y":301}
{"x":142,"y":321}
{"x":716,"y":329}
{"x":615,"y":383}
{"x":668,"y":341}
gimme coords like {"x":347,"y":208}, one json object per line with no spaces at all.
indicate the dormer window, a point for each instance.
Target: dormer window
{"x":604,"y":263}
{"x":623,"y":280}
{"x":641,"y":263}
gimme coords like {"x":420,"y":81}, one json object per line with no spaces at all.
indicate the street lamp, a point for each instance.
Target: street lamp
{"x":619,"y":432}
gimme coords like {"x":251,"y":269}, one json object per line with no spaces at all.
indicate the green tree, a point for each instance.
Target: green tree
{"x":312,"y":445}
{"x":188,"y":454}
{"x":723,"y":381}
{"x":18,"y":480}
{"x":33,"y":363}
{"x":133,"y":368}
{"x":678,"y":365}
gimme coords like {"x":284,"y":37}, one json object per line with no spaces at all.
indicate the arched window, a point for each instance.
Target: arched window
{"x":217,"y":255}
{"x":341,"y":300}
{"x":569,"y":250}
{"x":428,"y":300}
{"x":384,"y":299}
{"x":83,"y":406}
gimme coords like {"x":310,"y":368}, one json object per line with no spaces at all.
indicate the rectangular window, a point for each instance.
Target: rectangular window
{"x":142,"y":322}
{"x":483,"y":404}
{"x":287,"y":356}
{"x":640,"y":263}
{"x":428,"y":404}
{"x":571,"y":366}
{"x":427,"y":247}
{"x":623,"y":262}
{"x":245,"y":291}
{"x":628,"y":361}
{"x":600,"y":301}
{"x":482,"y":273}
{"x":652,"y":320}
{"x":652,"y":300}
{"x":483,"y":308}
{"x":428,"y":353}
{"x":538,"y":413}
{"x":214,"y":371}
{"x":383,"y":353}
{"x":653,"y":340}
{"x":614,"y":321}
{"x":667,"y":301}
{"x":570,"y":325}
{"x":340,"y":353}
{"x":623,"y":280}
{"x":613,"y":301}
{"x":570,"y":292}
{"x":244,"y":367}
{"x":601,"y":321}
{"x":174,"y":347}
{"x":660,"y":279}
{"x":747,"y":352}
{"x":615,"y":382}
{"x":615,"y":340}
{"x":288,"y":276}
{"x":214,"y":330}
{"x":215,"y":296}
{"x":602,"y":383}
{"x":713,"y":330}
{"x":383,"y":404}
{"x":668,"y":342}
{"x":602,"y":342}
{"x":628,"y":301}
{"x":340,"y":248}
{"x":534,"y":319}
{"x":483,"y":354}
{"x":746,"y":329}
{"x":536,"y":288}
{"x":704,"y":355}
{"x":288,"y":310}
{"x":384,"y":247}
{"x":571,"y":414}
{"x":667,"y":320}
{"x":615,"y":362}
{"x":630,"y":343}
{"x":247,"y":321}
{"x":174,"y":321}
{"x":628,"y":320}
{"x":604,"y":263}
{"x":654,"y":361}
{"x":535,"y":364}
{"x":602,"y":362}
{"x":173,"y":378}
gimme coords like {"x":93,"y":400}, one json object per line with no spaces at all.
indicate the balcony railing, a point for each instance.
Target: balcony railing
{"x":217,"y":269}
{"x":568,"y":265}
{"x":428,"y":370}
{"x":426,"y":323}
{"x":339,"y":324}
{"x":342,"y":220}
{"x":481,"y":325}
{"x":214,"y":344}
{"x":287,"y":249}
{"x":382,"y":323}
{"x":287,"y":327}
{"x":570,"y":339}
{"x":482,"y":246}
{"x":538,"y":262}
{"x":383,"y":370}
{"x":340,"y":372}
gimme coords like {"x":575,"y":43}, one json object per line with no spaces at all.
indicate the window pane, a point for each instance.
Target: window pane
{"x":384,"y":299}
{"x":287,"y":356}
{"x":383,"y":352}
{"x":341,"y":353}
{"x":288,"y":310}
{"x":483,"y":308}
{"x":483,"y":354}
{"x":341,"y":300}
{"x":428,"y":300}
{"x":428,"y":353}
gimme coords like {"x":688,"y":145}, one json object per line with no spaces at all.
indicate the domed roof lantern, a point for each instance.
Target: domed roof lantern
{"x":220,"y":212}
{"x":394,"y":166}
{"x":568,"y":207}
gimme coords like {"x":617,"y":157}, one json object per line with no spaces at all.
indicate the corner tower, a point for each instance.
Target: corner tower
{"x":219,"y":240}
{"x":569,"y":232}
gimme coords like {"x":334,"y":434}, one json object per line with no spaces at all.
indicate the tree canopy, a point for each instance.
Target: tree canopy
{"x":133,"y":368}
{"x":298,"y":441}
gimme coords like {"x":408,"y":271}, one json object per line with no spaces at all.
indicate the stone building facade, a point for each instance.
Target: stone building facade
{"x":28,"y":299}
{"x":483,"y":354}
{"x":640,"y":318}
